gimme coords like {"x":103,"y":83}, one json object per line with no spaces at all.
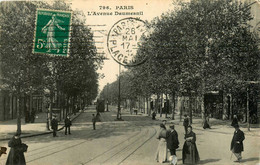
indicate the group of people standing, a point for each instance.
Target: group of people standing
{"x":54,"y":125}
{"x":168,"y":141}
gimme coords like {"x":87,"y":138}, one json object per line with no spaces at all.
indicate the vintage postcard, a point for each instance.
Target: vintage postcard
{"x":129,"y":82}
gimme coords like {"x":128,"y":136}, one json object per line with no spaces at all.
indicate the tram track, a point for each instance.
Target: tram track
{"x":139,"y":146}
{"x":126,"y":150}
{"x":87,"y":135}
{"x":113,"y":147}
{"x":109,"y":128}
{"x":100,"y":133}
{"x":61,"y":145}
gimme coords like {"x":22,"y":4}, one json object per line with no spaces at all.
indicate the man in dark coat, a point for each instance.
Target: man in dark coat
{"x":234,"y":121}
{"x":237,"y":143}
{"x":54,"y":126}
{"x":172,"y":140}
{"x":94,"y":121}
{"x":186,"y":123}
{"x":67,"y":125}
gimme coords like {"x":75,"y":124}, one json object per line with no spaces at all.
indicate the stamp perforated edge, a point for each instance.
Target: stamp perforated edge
{"x":35,"y":22}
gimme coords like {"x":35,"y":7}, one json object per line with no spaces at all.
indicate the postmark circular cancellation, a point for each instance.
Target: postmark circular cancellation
{"x":124,"y":39}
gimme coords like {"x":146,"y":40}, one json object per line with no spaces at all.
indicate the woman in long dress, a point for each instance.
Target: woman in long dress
{"x":190,"y":154}
{"x":49,"y":28}
{"x":161,"y":154}
{"x":16,"y":155}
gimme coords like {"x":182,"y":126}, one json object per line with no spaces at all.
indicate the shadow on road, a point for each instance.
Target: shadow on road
{"x":249,"y":159}
{"x":208,"y":161}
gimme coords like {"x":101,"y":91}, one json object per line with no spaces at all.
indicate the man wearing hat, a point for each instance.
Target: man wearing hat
{"x":237,"y":143}
{"x":54,"y":126}
{"x":186,"y":123}
{"x":172,"y":140}
{"x":67,"y":122}
{"x":172,"y":143}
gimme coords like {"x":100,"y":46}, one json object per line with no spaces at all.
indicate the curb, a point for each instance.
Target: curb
{"x":44,"y":133}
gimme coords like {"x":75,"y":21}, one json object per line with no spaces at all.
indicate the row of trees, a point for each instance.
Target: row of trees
{"x":23,"y":73}
{"x":202,"y":46}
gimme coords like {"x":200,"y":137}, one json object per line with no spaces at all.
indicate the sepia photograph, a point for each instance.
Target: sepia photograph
{"x":129,"y":82}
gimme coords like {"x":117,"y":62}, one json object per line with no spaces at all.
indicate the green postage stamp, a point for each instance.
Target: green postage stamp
{"x":52,"y":32}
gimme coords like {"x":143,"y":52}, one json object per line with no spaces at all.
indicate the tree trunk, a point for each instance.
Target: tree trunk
{"x":139,"y":103}
{"x":157,"y":103}
{"x":190,"y":107}
{"x":51,"y":106}
{"x":203,"y":116}
{"x":19,"y":130}
{"x":166,"y":107}
{"x":181,"y":108}
{"x":232,"y":107}
{"x":161,"y":97}
{"x":173,"y":107}
{"x":30,"y":106}
{"x":67,"y":105}
{"x":247,"y":109}
{"x":59,"y":102}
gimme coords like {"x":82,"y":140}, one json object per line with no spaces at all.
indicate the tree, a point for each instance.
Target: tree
{"x":206,"y":45}
{"x":24,"y":72}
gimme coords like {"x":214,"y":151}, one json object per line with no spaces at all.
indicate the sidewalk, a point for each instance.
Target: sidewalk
{"x":8,"y":128}
{"x":217,"y":125}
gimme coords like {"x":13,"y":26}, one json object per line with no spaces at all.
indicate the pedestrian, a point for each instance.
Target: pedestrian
{"x":172,"y":143}
{"x":94,"y":121}
{"x":190,"y":154}
{"x":54,"y":126}
{"x":16,"y":154}
{"x":234,"y":121}
{"x":161,"y":153}
{"x":186,"y":123}
{"x":237,"y":143}
{"x":206,"y":123}
{"x":33,"y":116}
{"x":67,"y":122}
{"x":153,"y":115}
{"x":164,"y":123}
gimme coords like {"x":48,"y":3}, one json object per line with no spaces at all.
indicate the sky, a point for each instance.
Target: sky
{"x":101,"y":25}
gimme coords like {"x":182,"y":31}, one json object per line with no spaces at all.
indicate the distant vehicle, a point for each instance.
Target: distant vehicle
{"x":100,"y":105}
